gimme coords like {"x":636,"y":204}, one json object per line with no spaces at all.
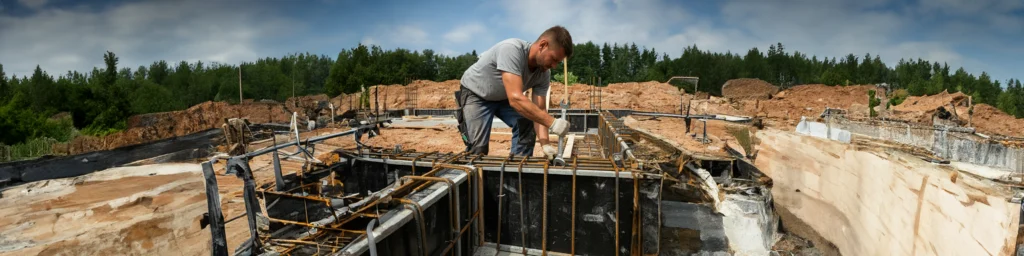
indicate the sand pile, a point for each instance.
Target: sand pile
{"x":811,"y":100}
{"x":156,"y":126}
{"x":991,"y":120}
{"x":748,"y":88}
{"x":426,"y":94}
{"x":920,"y":109}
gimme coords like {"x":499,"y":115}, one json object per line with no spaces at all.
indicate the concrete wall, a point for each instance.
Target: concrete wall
{"x":922,"y":137}
{"x":877,"y":203}
{"x":951,"y":145}
{"x":968,"y":148}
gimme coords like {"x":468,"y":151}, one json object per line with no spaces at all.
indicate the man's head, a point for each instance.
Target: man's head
{"x":554,"y":45}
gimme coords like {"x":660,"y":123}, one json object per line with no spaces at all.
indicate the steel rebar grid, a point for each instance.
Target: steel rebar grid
{"x":612,"y":135}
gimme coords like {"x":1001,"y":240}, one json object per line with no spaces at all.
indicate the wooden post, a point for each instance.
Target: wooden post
{"x":239,"y":83}
{"x":565,"y":74}
{"x":970,"y":110}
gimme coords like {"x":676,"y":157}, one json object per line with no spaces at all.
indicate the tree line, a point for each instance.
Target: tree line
{"x":99,"y":101}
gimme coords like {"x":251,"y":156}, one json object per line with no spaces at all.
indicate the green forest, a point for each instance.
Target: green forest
{"x":41,"y":107}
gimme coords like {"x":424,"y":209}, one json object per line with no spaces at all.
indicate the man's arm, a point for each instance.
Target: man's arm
{"x":542,"y":131}
{"x":523,"y":104}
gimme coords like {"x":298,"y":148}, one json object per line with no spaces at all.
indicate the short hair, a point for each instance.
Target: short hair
{"x":560,"y":36}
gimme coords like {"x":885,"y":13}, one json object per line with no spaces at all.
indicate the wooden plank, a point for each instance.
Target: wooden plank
{"x":568,"y":146}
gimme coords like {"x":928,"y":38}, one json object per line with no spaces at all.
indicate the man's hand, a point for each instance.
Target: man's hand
{"x":560,"y":127}
{"x":550,"y":152}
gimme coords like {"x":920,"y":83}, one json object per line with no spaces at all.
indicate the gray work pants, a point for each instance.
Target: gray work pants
{"x":475,"y":116}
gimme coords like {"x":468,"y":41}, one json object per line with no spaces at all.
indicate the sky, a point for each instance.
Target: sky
{"x":62,"y":35}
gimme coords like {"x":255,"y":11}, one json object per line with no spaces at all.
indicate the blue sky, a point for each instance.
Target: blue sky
{"x":61,"y":35}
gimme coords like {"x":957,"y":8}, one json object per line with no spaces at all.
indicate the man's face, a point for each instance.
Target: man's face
{"x":550,"y":56}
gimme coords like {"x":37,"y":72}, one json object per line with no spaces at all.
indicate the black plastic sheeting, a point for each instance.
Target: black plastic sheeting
{"x":364,"y":176}
{"x":70,"y":166}
{"x":595,"y":212}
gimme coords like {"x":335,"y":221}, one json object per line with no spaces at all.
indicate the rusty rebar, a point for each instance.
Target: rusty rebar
{"x":522,"y":212}
{"x":572,"y":236}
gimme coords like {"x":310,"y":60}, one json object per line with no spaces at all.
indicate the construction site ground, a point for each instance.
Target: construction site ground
{"x":156,"y":209}
{"x":783,"y":110}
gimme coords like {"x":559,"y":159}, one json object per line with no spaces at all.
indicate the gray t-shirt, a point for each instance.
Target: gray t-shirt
{"x":484,"y":77}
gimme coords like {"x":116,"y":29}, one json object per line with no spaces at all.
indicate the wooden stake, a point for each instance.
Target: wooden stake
{"x":565,"y":74}
{"x":239,"y":83}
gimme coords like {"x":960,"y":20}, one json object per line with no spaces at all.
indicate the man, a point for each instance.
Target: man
{"x":495,"y":86}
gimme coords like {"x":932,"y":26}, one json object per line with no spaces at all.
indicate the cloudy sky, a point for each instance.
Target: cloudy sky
{"x":62,"y":35}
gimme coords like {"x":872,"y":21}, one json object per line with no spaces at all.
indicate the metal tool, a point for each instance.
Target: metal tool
{"x":559,"y":161}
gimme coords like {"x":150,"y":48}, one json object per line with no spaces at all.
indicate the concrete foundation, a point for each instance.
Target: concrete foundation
{"x":949,"y":144}
{"x":885,"y":202}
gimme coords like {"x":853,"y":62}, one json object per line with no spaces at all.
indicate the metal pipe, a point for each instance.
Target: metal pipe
{"x":293,"y":143}
{"x":370,"y":242}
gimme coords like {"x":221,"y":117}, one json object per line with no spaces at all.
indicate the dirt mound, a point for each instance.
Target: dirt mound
{"x":748,"y":88}
{"x":305,"y":101}
{"x":156,"y":126}
{"x":920,"y":109}
{"x":642,"y":96}
{"x":424,"y":94}
{"x":421,"y":94}
{"x":991,"y":120}
{"x":811,"y":100}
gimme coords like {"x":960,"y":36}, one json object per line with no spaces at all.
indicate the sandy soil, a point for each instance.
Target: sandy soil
{"x":811,"y":100}
{"x":155,"y":209}
{"x":672,"y":130}
{"x":156,"y":126}
{"x":920,"y":109}
{"x":988,"y":119}
{"x":748,"y":88}
{"x":151,"y":210}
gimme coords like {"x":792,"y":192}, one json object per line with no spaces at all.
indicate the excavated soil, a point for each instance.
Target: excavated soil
{"x":441,"y":138}
{"x":988,"y":119}
{"x":148,"y":210}
{"x":423,"y":94}
{"x":920,"y":109}
{"x":157,"y":126}
{"x":811,"y":100}
{"x":782,"y":110}
{"x":673,"y":131}
{"x":748,"y":88}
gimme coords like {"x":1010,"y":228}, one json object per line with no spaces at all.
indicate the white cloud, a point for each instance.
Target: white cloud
{"x":645,"y":22}
{"x":826,"y":28}
{"x":139,"y":33}
{"x":395,"y":36}
{"x":368,"y":41}
{"x":410,"y":34}
{"x":464,"y":33}
{"x":34,"y":4}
